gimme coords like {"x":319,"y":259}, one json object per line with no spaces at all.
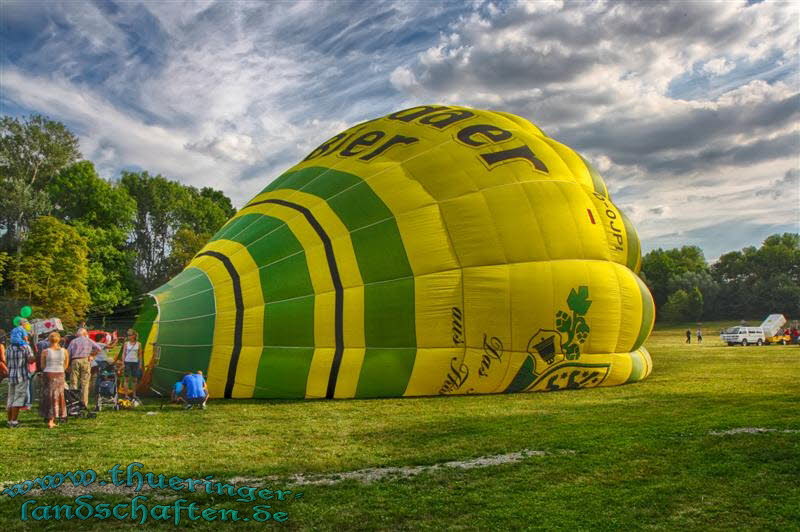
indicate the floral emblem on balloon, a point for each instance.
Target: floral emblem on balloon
{"x":573,"y":323}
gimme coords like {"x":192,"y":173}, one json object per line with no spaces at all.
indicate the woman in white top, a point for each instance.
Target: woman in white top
{"x":131,"y":354}
{"x":54,"y":362}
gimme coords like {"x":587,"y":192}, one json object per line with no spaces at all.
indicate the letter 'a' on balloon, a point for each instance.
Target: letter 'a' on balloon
{"x":437,"y":250}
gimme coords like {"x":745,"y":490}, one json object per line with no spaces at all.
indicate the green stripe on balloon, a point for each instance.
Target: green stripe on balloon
{"x":385,"y":271}
{"x":637,"y":367}
{"x":634,"y":247}
{"x":597,"y":181}
{"x":648,"y":312}
{"x":289,"y":303}
{"x":185,"y":326}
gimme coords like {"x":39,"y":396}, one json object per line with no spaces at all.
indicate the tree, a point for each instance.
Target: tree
{"x":163,"y":208}
{"x":694,"y":304}
{"x":661,"y":267}
{"x":32,"y":151}
{"x":51,"y":270}
{"x":677,"y":307}
{"x":760,"y":281}
{"x":220,"y":200}
{"x":103,"y":214}
{"x":110,"y":277}
{"x":702,"y":281}
{"x":185,"y":245}
{"x":78,"y":193}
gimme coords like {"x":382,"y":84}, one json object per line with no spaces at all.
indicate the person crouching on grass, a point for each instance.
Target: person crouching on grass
{"x":195,"y":390}
{"x":54,"y":360}
{"x":131,"y":354}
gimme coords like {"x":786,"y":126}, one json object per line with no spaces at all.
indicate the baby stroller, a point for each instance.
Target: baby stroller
{"x":106,"y":387}
{"x":75,"y":406}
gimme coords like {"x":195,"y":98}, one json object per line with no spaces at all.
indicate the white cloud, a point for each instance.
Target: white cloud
{"x":673,"y":102}
{"x":718,"y":66}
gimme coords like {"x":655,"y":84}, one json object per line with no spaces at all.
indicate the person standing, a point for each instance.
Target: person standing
{"x":19,"y":337}
{"x":18,"y":357}
{"x":54,"y":362}
{"x":688,"y":336}
{"x":42,"y":344}
{"x":132,"y":357}
{"x":81,"y":352}
{"x":699,"y":335}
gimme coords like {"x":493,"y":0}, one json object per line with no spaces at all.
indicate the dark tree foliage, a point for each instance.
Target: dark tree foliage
{"x":741,"y":284}
{"x":165,"y":208}
{"x":32,"y":151}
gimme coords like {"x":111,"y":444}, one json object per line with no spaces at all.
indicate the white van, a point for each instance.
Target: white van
{"x":743,"y":335}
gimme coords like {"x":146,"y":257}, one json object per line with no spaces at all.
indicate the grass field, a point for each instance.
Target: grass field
{"x":652,"y":455}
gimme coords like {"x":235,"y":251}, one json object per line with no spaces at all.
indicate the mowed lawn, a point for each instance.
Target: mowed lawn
{"x":641,"y":456}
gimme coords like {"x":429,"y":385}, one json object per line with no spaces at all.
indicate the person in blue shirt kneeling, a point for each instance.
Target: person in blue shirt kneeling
{"x":195,"y":390}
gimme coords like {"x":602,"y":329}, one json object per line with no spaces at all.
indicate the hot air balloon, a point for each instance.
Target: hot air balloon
{"x":437,"y":250}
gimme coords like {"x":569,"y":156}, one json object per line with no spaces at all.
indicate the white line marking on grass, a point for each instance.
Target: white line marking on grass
{"x":365,"y":476}
{"x":750,"y":430}
{"x":374,"y":474}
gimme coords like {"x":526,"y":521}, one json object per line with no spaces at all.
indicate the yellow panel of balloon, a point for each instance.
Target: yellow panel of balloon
{"x":438,"y":250}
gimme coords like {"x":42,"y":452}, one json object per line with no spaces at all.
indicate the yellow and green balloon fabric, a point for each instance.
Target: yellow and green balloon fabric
{"x":437,"y":250}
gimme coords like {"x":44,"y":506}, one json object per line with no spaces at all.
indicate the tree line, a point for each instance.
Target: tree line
{"x":73,"y":243}
{"x":749,"y":283}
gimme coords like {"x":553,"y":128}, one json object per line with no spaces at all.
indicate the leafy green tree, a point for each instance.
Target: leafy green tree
{"x":32,"y":151}
{"x":78,"y":193}
{"x":703,"y":281}
{"x":219,"y":199}
{"x":185,"y":245}
{"x":51,"y":270}
{"x":110,"y":278}
{"x":677,"y":307}
{"x":5,"y":259}
{"x":155,"y":224}
{"x":660,"y":267}
{"x":103,"y":213}
{"x":694,"y":307}
{"x":760,"y":281}
{"x":163,"y":208}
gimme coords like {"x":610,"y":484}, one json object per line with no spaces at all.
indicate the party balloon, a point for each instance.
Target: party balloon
{"x":17,"y":321}
{"x":437,"y":250}
{"x":26,"y":312}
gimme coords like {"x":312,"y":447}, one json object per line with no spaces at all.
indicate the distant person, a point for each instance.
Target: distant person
{"x":54,"y":361}
{"x":131,"y":354}
{"x":42,"y":344}
{"x":81,"y":352}
{"x":18,"y":357}
{"x":688,"y":336}
{"x":195,"y":390}
{"x":699,"y":335}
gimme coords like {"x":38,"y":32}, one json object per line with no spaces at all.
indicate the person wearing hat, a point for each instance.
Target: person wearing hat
{"x":18,"y":357}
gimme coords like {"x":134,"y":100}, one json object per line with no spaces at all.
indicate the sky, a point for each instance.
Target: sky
{"x":689,"y":110}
